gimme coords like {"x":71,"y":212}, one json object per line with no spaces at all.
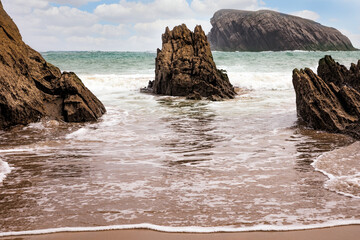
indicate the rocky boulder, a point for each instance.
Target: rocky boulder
{"x":329,"y":101}
{"x":265,"y":30}
{"x":185,"y":67}
{"x":31,"y":88}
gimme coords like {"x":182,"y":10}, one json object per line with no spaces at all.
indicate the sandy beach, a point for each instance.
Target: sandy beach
{"x":333,"y":233}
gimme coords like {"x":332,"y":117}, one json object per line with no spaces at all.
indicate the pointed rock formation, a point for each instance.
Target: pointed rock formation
{"x":265,"y":30}
{"x":330,"y":100}
{"x":31,"y":88}
{"x":185,"y":67}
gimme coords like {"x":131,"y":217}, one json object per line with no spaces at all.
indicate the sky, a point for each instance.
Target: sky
{"x":137,"y":25}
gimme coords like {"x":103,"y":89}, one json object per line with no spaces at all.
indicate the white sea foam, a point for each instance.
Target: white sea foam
{"x":342,"y":167}
{"x":190,"y":229}
{"x":114,"y":82}
{"x":250,"y":80}
{"x":4,"y":170}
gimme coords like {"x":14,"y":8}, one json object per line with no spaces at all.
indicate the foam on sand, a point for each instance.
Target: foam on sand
{"x":4,"y":170}
{"x":190,"y":229}
{"x":342,"y":167}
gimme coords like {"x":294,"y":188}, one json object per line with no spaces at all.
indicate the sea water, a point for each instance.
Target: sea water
{"x":177,"y":165}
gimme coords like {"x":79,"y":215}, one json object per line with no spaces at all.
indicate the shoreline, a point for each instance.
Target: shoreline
{"x":348,"y":232}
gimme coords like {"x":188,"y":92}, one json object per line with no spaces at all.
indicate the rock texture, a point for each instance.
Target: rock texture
{"x":330,"y":100}
{"x":31,"y":88}
{"x":264,"y":30}
{"x":185,"y":67}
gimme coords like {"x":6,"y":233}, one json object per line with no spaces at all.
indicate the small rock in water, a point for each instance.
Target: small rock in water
{"x":149,"y":88}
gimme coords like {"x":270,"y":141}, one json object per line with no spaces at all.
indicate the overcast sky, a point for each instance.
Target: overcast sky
{"x":137,"y":25}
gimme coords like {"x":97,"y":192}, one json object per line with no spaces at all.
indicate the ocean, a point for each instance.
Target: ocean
{"x":177,"y":165}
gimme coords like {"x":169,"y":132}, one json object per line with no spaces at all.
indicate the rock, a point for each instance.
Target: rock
{"x":185,"y":66}
{"x":31,"y":88}
{"x":194,"y":96}
{"x":330,"y":100}
{"x":265,"y":30}
{"x":149,"y":88}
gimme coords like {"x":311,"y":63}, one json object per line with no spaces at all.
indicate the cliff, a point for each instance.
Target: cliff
{"x":264,"y":30}
{"x":185,"y":67}
{"x":31,"y":88}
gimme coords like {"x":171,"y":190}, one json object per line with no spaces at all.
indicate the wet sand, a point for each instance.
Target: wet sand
{"x":333,"y":233}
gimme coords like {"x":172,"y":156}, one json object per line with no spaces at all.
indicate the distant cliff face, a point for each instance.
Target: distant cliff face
{"x":264,"y":30}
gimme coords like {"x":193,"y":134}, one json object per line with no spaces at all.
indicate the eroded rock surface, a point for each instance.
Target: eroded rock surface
{"x":330,"y":100}
{"x":31,"y":88}
{"x":264,"y":30}
{"x":185,"y":67}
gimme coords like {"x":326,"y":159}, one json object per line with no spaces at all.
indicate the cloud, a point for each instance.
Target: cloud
{"x":354,"y":38}
{"x":21,"y":7}
{"x":209,"y":7}
{"x":157,"y":27}
{"x":65,"y":16}
{"x":125,"y":25}
{"x":307,"y":14}
{"x":76,"y":3}
{"x":134,"y":12}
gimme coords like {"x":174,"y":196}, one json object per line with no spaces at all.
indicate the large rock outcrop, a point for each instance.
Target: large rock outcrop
{"x":264,"y":30}
{"x":329,"y":101}
{"x":185,"y":67}
{"x":31,"y":88}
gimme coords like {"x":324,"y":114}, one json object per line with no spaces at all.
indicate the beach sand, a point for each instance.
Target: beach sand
{"x":334,"y":233}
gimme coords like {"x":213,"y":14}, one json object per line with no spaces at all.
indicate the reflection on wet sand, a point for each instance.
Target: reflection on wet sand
{"x":311,"y":144}
{"x":193,"y":130}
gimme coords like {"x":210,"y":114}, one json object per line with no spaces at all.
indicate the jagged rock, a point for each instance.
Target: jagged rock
{"x":185,"y":66}
{"x":31,"y":88}
{"x":265,"y":30}
{"x":330,"y":100}
{"x":194,"y":96}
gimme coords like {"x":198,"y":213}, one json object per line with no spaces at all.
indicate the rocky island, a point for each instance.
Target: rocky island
{"x":185,"y":67}
{"x":265,"y":30}
{"x":329,"y":100}
{"x":31,"y":88}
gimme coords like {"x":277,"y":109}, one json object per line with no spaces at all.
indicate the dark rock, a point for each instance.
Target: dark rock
{"x":185,"y":65}
{"x":264,"y":30}
{"x":31,"y":88}
{"x":149,"y":88}
{"x":330,"y":100}
{"x":194,"y":96}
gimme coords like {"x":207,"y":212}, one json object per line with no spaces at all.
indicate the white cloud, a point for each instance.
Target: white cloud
{"x":307,"y":14}
{"x":65,"y":16}
{"x":134,"y":25}
{"x":75,"y":3}
{"x":354,"y":38}
{"x":21,"y":7}
{"x":125,"y":11}
{"x":209,"y":7}
{"x":157,"y":27}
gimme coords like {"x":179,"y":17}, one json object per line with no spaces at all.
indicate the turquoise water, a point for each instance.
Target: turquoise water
{"x":144,"y":62}
{"x":169,"y":163}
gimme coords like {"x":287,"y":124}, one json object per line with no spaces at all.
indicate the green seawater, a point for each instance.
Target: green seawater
{"x":89,"y":63}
